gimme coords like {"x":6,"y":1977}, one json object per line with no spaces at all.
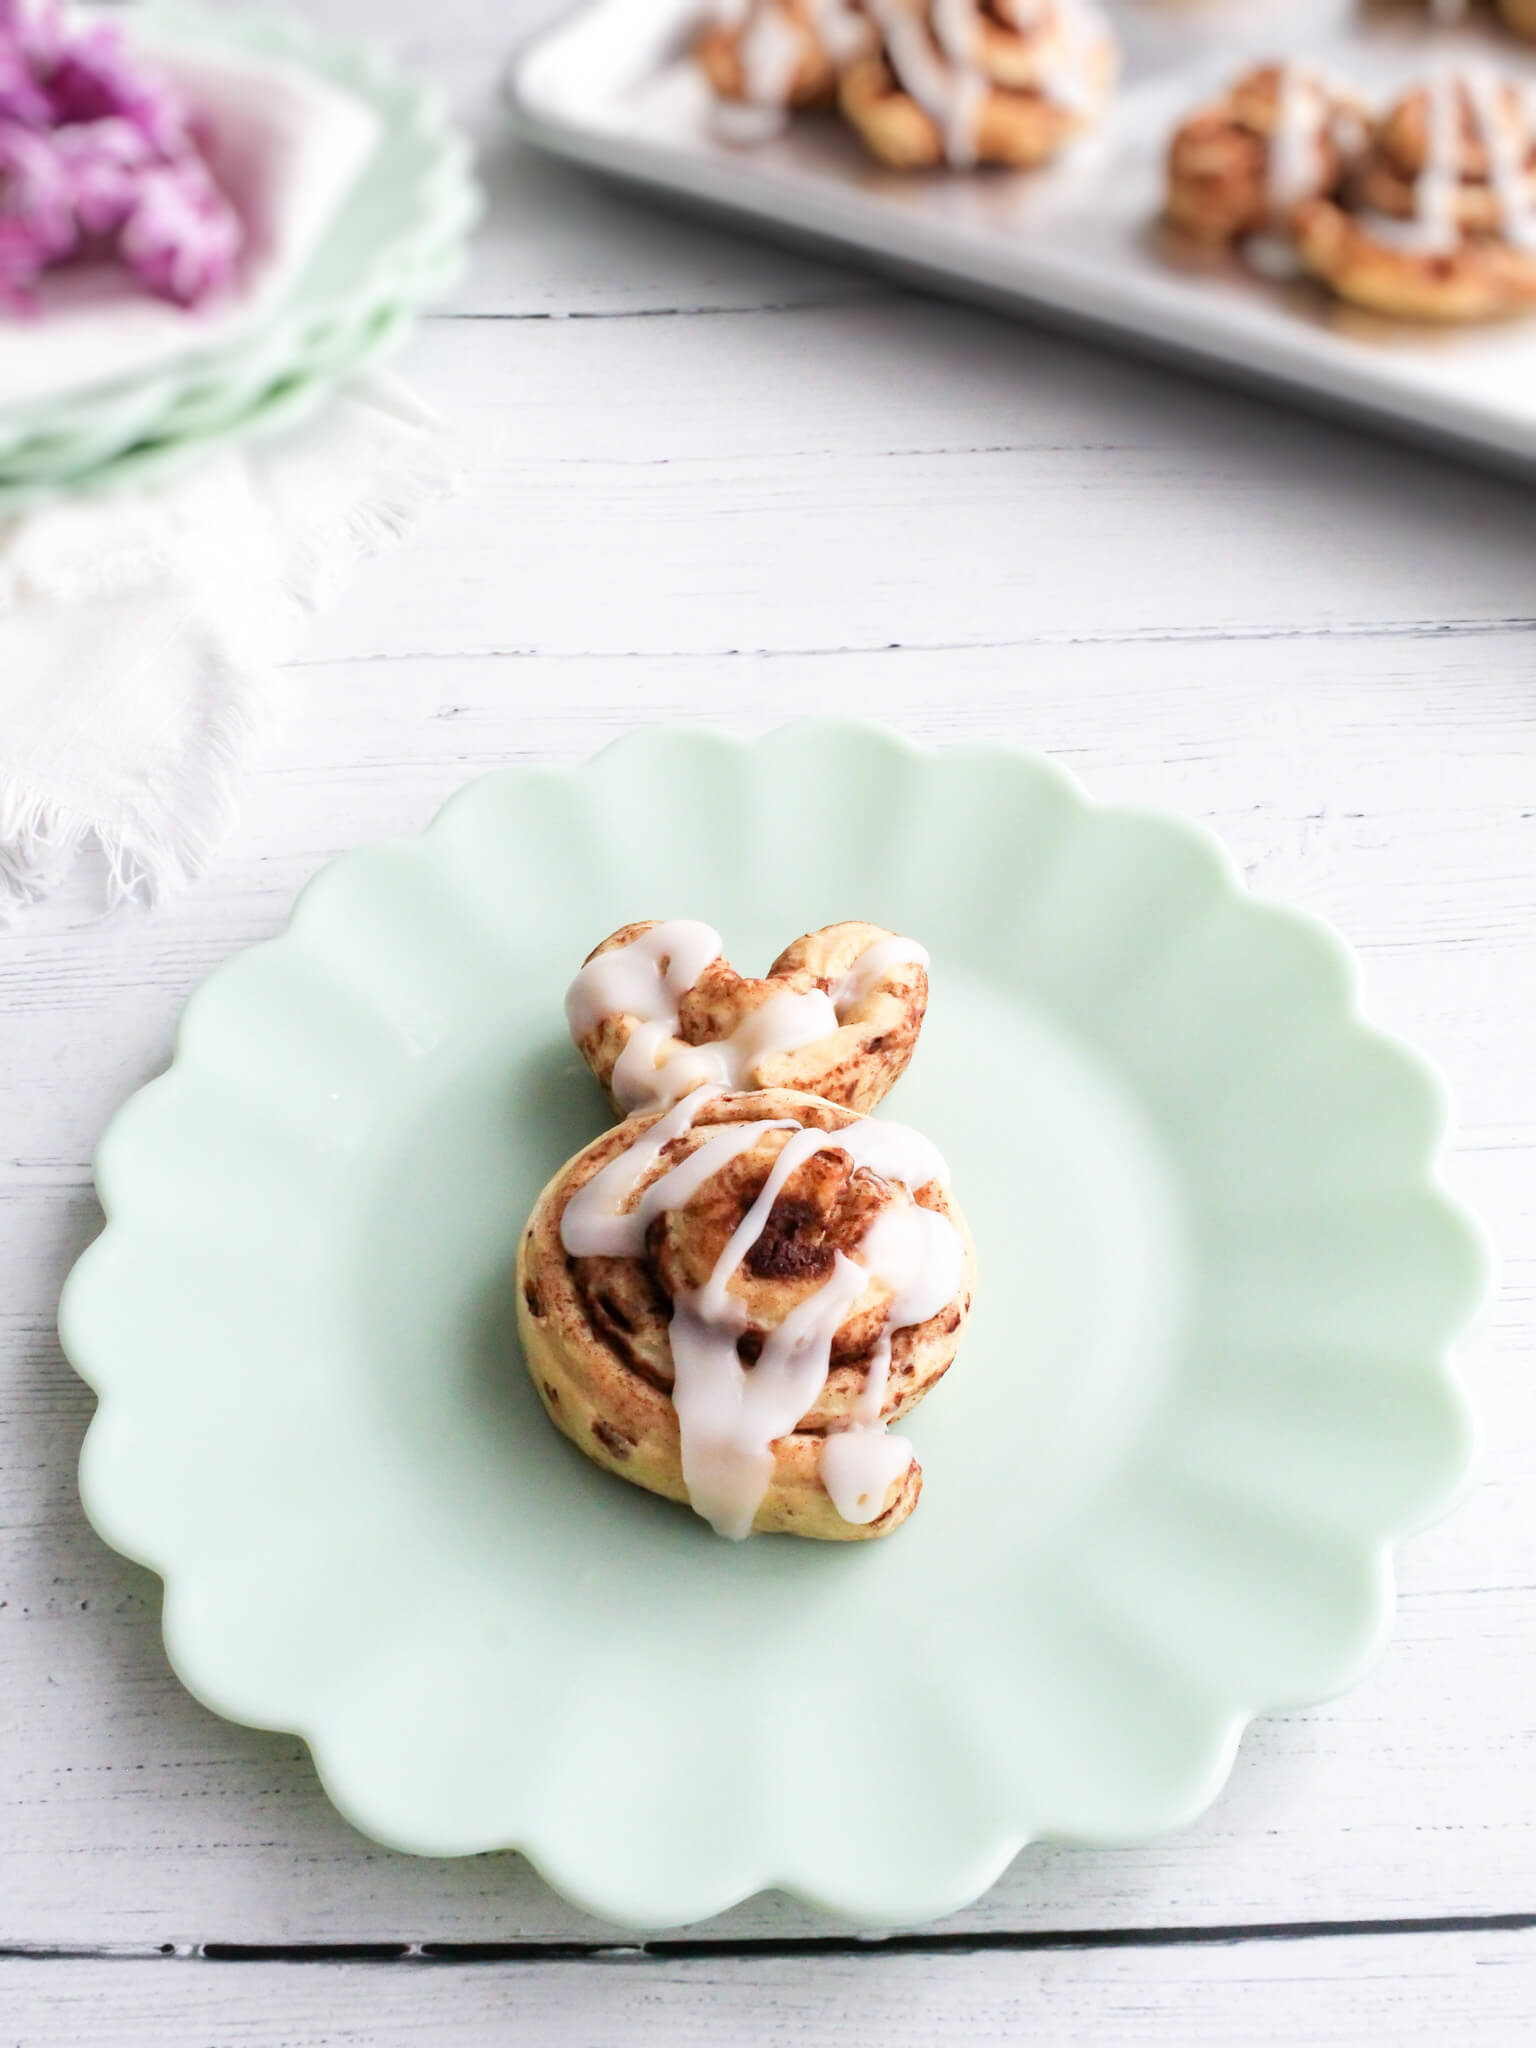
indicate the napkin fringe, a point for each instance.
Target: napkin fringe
{"x":384,"y":506}
{"x":146,"y":857}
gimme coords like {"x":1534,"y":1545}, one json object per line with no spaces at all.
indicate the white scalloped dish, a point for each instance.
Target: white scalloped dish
{"x":1204,"y":1390}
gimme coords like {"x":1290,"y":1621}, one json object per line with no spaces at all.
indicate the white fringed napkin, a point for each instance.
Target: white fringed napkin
{"x":139,"y":631}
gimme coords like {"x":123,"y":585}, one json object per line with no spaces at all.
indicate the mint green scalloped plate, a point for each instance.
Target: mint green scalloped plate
{"x":1205,"y":1389}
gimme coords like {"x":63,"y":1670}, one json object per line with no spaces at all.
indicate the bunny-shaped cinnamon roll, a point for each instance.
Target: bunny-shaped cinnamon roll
{"x":728,"y":1297}
{"x":658,"y":1010}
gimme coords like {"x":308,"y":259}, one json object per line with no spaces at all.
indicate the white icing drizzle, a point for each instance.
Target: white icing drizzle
{"x":843,"y":31}
{"x":871,"y":967}
{"x":653,"y":1072}
{"x":1435,"y":226}
{"x":771,"y":46}
{"x":1295,"y":147}
{"x":1507,"y":144}
{"x":1436,"y":188}
{"x":770,"y":52}
{"x":1070,"y":74}
{"x":730,"y":1415}
{"x":943,"y":74}
{"x":944,"y":80}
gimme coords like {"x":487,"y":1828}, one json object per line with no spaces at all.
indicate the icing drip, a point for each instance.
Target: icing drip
{"x":944,"y":81}
{"x":772,"y":45}
{"x":841,"y":30}
{"x":1295,"y":149}
{"x":652,"y":1072}
{"x":1435,"y":192}
{"x":1069,"y":75}
{"x":730,"y":1415}
{"x":872,"y":965}
{"x":770,"y":56}
{"x":943,"y":74}
{"x":1507,"y":145}
{"x":1435,"y":228}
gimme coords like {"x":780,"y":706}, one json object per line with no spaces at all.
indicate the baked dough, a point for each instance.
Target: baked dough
{"x":1241,"y":165}
{"x":867,"y":991}
{"x":1437,"y":219}
{"x":968,"y":82}
{"x":596,"y":1333}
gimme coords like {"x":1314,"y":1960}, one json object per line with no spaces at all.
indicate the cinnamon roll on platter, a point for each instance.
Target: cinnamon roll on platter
{"x":1333,"y":199}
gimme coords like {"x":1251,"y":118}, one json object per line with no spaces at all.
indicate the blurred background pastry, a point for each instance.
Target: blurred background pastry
{"x":1437,"y":218}
{"x":1241,"y":165}
{"x":968,"y":82}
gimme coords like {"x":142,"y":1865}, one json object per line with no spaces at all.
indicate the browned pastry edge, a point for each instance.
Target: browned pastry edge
{"x":857,"y":1066}
{"x":1482,"y":279}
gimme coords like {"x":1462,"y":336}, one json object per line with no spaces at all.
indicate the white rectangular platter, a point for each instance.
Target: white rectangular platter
{"x":1079,"y":243}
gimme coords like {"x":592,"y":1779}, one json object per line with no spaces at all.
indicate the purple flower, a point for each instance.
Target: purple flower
{"x":93,"y":147}
{"x":182,"y":237}
{"x":96,"y":77}
{"x":101,"y":163}
{"x":21,"y":97}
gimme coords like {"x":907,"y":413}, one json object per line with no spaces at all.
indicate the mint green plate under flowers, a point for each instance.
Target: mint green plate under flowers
{"x":1204,"y":1392}
{"x":398,"y":239}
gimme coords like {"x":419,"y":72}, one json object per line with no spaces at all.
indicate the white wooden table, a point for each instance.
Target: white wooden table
{"x":708,"y":480}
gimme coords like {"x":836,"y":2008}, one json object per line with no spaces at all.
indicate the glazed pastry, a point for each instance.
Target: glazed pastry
{"x":1284,"y":134}
{"x":727,"y":1302}
{"x":766,"y":59}
{"x":968,"y":82}
{"x":657,"y":1010}
{"x":1437,"y":220}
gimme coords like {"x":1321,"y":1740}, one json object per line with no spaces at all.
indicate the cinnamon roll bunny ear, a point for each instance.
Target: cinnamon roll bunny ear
{"x":657,"y":1010}
{"x":726,"y":1304}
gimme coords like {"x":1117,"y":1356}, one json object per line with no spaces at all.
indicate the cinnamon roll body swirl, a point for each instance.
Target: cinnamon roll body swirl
{"x":1241,"y":165}
{"x":1437,"y":219}
{"x":965,"y":82}
{"x":727,"y":1302}
{"x":657,"y":1010}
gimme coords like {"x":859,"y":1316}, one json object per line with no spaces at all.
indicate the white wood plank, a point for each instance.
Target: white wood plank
{"x":941,"y":480}
{"x":1404,"y":1990}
